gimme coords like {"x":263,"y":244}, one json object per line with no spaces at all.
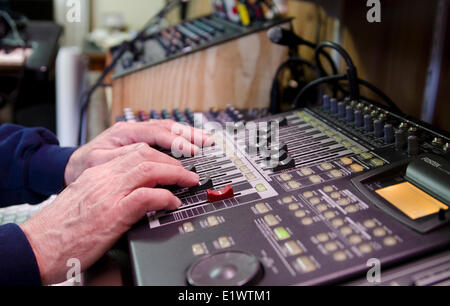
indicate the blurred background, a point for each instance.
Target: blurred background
{"x":406,"y":55}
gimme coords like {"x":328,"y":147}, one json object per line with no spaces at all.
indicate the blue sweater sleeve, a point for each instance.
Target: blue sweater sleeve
{"x":32,"y":165}
{"x":18,"y":265}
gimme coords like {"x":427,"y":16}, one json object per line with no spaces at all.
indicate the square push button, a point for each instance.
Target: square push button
{"x":282,"y":233}
{"x":261,"y":208}
{"x":271,"y":220}
{"x":188,"y":227}
{"x":293,"y":248}
{"x":197,"y":249}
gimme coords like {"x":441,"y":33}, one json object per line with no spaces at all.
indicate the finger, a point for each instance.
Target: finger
{"x":198,"y":137}
{"x":149,"y":174}
{"x":154,"y":135}
{"x":149,"y":154}
{"x":143,"y":200}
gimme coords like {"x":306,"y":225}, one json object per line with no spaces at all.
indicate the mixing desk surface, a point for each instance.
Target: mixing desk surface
{"x":306,"y":199}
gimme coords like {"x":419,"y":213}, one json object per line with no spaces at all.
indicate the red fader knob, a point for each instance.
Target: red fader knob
{"x":224,"y":194}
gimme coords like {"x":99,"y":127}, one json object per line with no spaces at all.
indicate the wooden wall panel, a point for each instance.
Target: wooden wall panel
{"x":442,"y":113}
{"x":394,"y":54}
{"x":239,"y":72}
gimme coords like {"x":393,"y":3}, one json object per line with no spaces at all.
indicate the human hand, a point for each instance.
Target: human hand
{"x":124,"y":138}
{"x":92,"y":213}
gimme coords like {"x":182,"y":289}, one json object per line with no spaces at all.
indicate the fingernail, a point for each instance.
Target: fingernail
{"x":178,"y":203}
{"x":195,"y":177}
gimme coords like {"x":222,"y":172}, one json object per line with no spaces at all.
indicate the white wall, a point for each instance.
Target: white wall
{"x":74,"y":32}
{"x":136,"y":12}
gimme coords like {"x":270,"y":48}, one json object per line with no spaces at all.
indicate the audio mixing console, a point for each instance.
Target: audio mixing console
{"x":353,"y":182}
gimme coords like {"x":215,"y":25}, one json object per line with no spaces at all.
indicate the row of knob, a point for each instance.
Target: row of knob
{"x":371,"y":121}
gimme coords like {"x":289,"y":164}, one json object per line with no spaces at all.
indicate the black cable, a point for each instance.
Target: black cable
{"x":351,"y":69}
{"x":342,"y":77}
{"x":327,"y":79}
{"x":275,"y":106}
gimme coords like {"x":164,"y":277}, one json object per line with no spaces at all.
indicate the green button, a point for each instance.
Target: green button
{"x":260,"y":188}
{"x":282,"y":233}
{"x":377,"y":162}
{"x":346,"y":143}
{"x":356,"y":149}
{"x":366,"y":155}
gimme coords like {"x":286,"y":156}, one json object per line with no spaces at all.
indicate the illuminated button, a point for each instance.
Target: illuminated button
{"x":357,"y":168}
{"x":366,"y":156}
{"x":307,"y":118}
{"x":244,"y":169}
{"x":369,"y":224}
{"x":355,"y":239}
{"x":294,"y":185}
{"x":351,"y":209}
{"x":379,"y":232}
{"x":340,"y":256}
{"x":328,"y":189}
{"x":188,"y":227}
{"x":335,"y":195}
{"x":294,"y":207}
{"x":293,"y":248}
{"x":346,"y":230}
{"x":314,"y":201}
{"x":315,"y":179}
{"x":198,"y":249}
{"x":281,"y":233}
{"x":286,"y":177}
{"x":224,"y":242}
{"x":260,"y":188}
{"x":376,"y":162}
{"x":300,"y":213}
{"x":322,"y":207}
{"x":250,"y":176}
{"x":331,"y":246}
{"x":306,"y":171}
{"x":329,"y":214}
{"x":321,"y":128}
{"x":288,"y":200}
{"x":338,"y":138}
{"x":336,"y":173}
{"x":337,"y":222}
{"x":307,"y":221}
{"x":365,"y":248}
{"x":356,"y":149}
{"x":390,"y":241}
{"x":212,"y":221}
{"x":346,"y":143}
{"x":306,"y":264}
{"x":326,"y":166}
{"x":346,"y":161}
{"x":343,"y":202}
{"x":323,"y":237}
{"x":238,"y":162}
{"x":308,"y":194}
{"x":261,"y":208}
{"x":329,"y":133}
{"x":271,"y":220}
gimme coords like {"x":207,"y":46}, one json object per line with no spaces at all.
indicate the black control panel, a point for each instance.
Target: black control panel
{"x":320,"y":192}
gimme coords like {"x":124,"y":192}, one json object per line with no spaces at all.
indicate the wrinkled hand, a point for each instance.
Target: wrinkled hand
{"x":91,"y":214}
{"x":124,"y":138}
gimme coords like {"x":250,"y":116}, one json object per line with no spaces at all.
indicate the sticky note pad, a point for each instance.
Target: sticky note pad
{"x":412,"y":201}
